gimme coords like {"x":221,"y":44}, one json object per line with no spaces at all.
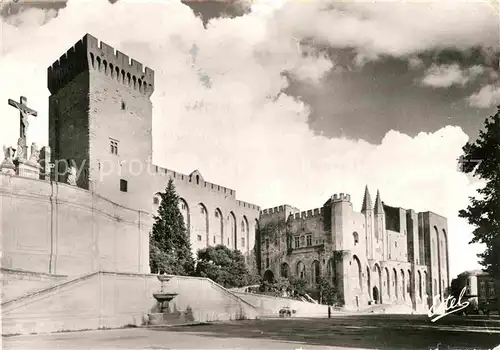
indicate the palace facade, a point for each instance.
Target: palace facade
{"x":382,"y":254}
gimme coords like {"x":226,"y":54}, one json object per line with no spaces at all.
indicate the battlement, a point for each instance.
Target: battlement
{"x":309,"y":213}
{"x":274,"y":210}
{"x":341,"y":197}
{"x":247,"y":205}
{"x":90,"y":54}
{"x":277,"y":210}
{"x":180,"y":177}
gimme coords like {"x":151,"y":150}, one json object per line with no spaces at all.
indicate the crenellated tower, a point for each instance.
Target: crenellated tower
{"x":367,"y":211}
{"x":338,"y":213}
{"x":100,"y":116}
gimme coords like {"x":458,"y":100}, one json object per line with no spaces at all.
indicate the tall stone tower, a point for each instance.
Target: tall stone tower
{"x":367,"y":211}
{"x":100,"y":116}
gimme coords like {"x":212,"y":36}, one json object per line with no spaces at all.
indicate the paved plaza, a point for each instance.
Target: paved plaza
{"x":345,"y":332}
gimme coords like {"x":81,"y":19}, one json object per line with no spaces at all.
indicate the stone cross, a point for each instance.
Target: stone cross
{"x":25,"y":112}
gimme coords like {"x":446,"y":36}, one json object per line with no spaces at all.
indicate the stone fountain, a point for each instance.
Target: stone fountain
{"x":162,"y":297}
{"x":165,"y":315}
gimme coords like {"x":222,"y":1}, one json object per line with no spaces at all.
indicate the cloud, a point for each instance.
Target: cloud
{"x":444,"y":76}
{"x":244,"y":131}
{"x":394,"y":28}
{"x":415,"y":63}
{"x":488,"y":96}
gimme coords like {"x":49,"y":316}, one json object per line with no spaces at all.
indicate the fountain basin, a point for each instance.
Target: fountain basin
{"x":164,"y":297}
{"x":164,"y":278}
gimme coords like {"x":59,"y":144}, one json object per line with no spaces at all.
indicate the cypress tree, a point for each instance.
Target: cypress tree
{"x":170,"y":247}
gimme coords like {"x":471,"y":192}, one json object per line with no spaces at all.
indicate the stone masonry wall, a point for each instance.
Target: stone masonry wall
{"x":55,"y":228}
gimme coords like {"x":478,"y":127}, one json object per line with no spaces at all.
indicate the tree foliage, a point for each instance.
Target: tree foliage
{"x":298,"y":285}
{"x":170,"y":247}
{"x":482,"y":159}
{"x":278,"y":288}
{"x":224,"y":266}
{"x":328,"y":294}
{"x":457,"y":284}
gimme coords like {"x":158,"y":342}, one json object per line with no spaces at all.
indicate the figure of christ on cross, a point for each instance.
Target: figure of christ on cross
{"x":25,"y":112}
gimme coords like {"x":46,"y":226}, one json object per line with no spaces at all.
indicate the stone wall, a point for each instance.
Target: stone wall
{"x":111,"y":300}
{"x":212,"y":213}
{"x":51,"y":227}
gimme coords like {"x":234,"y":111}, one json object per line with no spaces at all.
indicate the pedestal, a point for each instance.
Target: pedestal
{"x":8,"y":168}
{"x":25,"y":168}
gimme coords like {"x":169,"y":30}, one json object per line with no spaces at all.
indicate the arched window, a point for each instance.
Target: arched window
{"x":111,"y":70}
{"x":427,"y":284}
{"x":396,"y":287}
{"x":403,"y":284}
{"x":316,"y":272}
{"x":98,"y":59}
{"x":420,"y":284}
{"x":355,"y":237}
{"x":200,"y":224}
{"x":233,"y":231}
{"x":197,"y":179}
{"x":105,"y":64}
{"x":387,"y":282}
{"x":92,"y":59}
{"x":444,"y":255}
{"x":408,"y":284}
{"x":185,"y":213}
{"x":128,"y":79}
{"x":356,"y":267}
{"x":134,"y":80}
{"x":368,"y":282}
{"x":218,"y":227}
{"x":435,"y":246}
{"x":285,"y":270}
{"x":301,"y":270}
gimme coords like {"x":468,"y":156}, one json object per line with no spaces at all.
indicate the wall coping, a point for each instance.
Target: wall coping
{"x":30,"y":273}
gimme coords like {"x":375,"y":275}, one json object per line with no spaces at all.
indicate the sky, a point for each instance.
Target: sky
{"x":289,"y":102}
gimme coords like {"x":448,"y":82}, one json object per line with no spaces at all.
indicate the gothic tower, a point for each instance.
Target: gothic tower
{"x":100,"y":116}
{"x":367,"y":211}
{"x":379,"y":229}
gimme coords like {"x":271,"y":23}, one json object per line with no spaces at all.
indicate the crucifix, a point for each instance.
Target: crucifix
{"x":25,"y":112}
